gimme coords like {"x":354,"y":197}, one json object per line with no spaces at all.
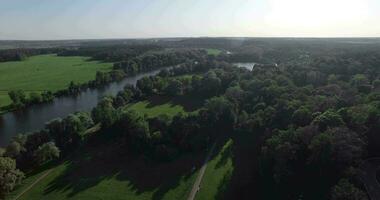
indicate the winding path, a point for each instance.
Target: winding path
{"x":198,"y":181}
{"x":367,"y":174}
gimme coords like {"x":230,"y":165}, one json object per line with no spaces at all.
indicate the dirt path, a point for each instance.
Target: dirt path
{"x":198,"y":181}
{"x":33,"y":184}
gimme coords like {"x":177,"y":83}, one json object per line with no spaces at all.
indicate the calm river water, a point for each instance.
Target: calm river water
{"x":34,"y":118}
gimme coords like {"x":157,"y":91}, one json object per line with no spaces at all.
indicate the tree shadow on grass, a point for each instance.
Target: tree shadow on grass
{"x":222,"y":187}
{"x":226,"y":153}
{"x":189,"y":103}
{"x":242,"y":182}
{"x":100,"y":163}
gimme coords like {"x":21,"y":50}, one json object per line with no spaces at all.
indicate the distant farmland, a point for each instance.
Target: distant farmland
{"x":46,"y":72}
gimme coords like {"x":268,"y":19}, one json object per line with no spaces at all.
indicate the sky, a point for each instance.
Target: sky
{"x":100,"y":19}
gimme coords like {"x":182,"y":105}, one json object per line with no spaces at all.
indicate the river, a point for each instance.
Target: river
{"x":34,"y":117}
{"x":248,"y":66}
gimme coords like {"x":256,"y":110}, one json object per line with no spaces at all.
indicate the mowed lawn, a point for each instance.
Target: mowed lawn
{"x":46,"y":72}
{"x":87,"y":181}
{"x":218,"y":174}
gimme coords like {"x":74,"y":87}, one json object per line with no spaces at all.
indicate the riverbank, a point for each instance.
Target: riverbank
{"x":45,"y":73}
{"x":34,"y":117}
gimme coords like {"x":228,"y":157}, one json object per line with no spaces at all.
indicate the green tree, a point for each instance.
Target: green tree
{"x":47,"y":152}
{"x":104,"y":112}
{"x":344,"y":190}
{"x":302,"y":116}
{"x":10,"y":177}
{"x":210,"y":84}
{"x":35,"y":97}
{"x":328,"y":119}
{"x":174,"y":88}
{"x":18,"y":98}
{"x":220,"y":113}
{"x":145,"y":85}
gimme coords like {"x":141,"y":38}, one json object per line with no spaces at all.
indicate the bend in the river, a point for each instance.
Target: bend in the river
{"x":35,"y":117}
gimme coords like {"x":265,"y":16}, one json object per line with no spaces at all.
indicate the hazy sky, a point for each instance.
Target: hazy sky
{"x":78,"y":19}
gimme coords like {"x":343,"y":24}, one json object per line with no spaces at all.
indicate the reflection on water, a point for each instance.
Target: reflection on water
{"x":248,"y":66}
{"x":34,"y":117}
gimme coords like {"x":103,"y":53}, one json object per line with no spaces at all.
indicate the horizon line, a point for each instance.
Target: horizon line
{"x":200,"y":37}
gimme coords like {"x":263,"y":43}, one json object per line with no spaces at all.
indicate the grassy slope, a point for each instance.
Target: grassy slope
{"x":97,"y":174}
{"x":217,"y":174}
{"x":46,"y":72}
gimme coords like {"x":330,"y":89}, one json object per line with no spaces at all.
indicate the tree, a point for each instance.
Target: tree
{"x":359,"y":79}
{"x":321,"y":150}
{"x":174,"y":88}
{"x":104,"y":112}
{"x":344,"y":190}
{"x":328,"y":119}
{"x":16,"y":147}
{"x":10,"y":177}
{"x":135,"y":129}
{"x":2,"y":152}
{"x":47,"y":96}
{"x":302,"y":116}
{"x":210,"y":84}
{"x":18,"y":98}
{"x":347,"y":147}
{"x":35,"y":97}
{"x":220,"y":113}
{"x":145,"y":85}
{"x":46,"y":152}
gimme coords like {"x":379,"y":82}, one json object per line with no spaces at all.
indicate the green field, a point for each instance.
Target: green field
{"x":110,"y":182}
{"x":217,"y":175}
{"x":214,"y":52}
{"x":100,"y":173}
{"x":46,"y":72}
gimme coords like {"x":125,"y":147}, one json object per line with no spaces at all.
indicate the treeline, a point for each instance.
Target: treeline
{"x":22,"y":54}
{"x":111,"y":53}
{"x":120,"y":70}
{"x":20,"y":99}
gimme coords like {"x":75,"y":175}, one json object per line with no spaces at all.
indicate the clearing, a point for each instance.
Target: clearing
{"x":213,"y":52}
{"x":158,"y":105}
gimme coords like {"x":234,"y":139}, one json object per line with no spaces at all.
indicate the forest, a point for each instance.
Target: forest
{"x":311,"y":109}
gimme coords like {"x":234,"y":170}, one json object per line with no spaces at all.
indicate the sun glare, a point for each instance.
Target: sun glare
{"x":316,"y":14}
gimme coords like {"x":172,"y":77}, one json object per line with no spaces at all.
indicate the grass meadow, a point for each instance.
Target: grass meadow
{"x":46,"y":73}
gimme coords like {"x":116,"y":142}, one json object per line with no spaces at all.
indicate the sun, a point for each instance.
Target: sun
{"x":316,"y":14}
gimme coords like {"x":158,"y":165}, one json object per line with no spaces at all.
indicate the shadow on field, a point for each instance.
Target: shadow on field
{"x":189,"y":103}
{"x":240,"y":184}
{"x":102,"y":162}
